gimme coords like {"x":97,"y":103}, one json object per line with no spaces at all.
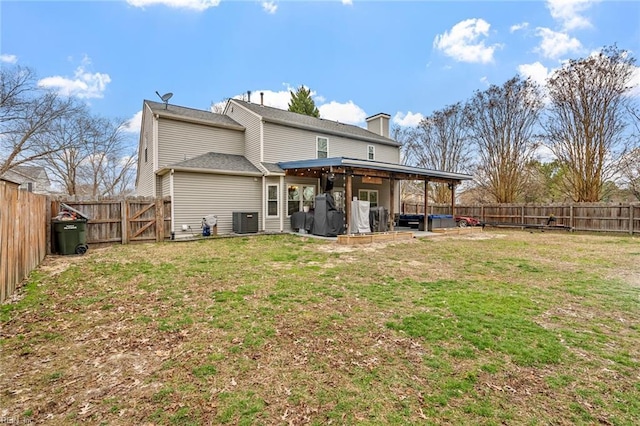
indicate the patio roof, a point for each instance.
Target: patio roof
{"x":354,"y":166}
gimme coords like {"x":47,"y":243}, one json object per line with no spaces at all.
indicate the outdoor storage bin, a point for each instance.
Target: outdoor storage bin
{"x":437,"y":221}
{"x":70,"y":236}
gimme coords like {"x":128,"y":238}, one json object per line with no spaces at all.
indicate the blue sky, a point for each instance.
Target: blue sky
{"x":358,"y":57}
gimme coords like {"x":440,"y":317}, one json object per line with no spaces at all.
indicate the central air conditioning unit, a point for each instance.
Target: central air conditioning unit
{"x":245,"y":222}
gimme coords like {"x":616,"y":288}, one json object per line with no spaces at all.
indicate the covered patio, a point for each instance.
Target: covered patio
{"x":352,"y":176}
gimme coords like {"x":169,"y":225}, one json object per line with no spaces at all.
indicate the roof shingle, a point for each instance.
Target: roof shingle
{"x":317,"y":124}
{"x":198,"y":114}
{"x":217,"y":161}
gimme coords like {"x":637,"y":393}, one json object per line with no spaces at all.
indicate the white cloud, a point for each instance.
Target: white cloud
{"x":465,"y":42}
{"x":270,"y":7}
{"x":569,"y":13}
{"x":536,"y":71}
{"x":133,"y":124}
{"x":555,"y":44}
{"x":635,"y":83}
{"x":197,"y":5}
{"x":84,"y":84}
{"x":518,"y":27}
{"x":347,"y":2}
{"x":348,"y":113}
{"x":9,"y":59}
{"x":544,"y":154}
{"x":484,"y":80}
{"x":407,"y":120}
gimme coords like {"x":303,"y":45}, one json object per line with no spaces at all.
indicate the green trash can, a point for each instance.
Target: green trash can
{"x":71,"y":236}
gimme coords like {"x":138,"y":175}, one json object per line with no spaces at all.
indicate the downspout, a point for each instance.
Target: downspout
{"x":173,"y":206}
{"x":155,"y":144}
{"x":265,"y":208}
{"x":281,"y":205}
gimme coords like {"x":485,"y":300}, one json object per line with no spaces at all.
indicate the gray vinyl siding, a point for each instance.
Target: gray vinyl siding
{"x":252,"y":133}
{"x":179,"y":141}
{"x":197,"y":195}
{"x":166,"y":185}
{"x":384,"y":192}
{"x":282,"y":143}
{"x":146,"y":175}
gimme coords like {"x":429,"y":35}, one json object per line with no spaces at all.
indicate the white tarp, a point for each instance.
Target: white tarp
{"x":360,"y":217}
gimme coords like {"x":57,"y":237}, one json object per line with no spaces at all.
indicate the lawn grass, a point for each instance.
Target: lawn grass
{"x":494,"y":328}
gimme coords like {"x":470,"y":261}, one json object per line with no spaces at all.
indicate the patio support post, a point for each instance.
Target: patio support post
{"x":347,"y":204}
{"x":453,"y":198}
{"x":392,"y":184}
{"x":426,"y":197}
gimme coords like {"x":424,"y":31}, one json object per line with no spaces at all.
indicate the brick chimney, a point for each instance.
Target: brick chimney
{"x":379,"y":124}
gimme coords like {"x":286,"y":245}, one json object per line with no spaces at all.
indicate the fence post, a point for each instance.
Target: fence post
{"x":124,"y":221}
{"x":522,"y":214}
{"x":571,"y":225}
{"x":630,"y":219}
{"x":159,"y":220}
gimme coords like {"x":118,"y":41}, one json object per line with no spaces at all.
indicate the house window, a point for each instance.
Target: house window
{"x":370,"y":195}
{"x":145,"y":148}
{"x":299,"y":197}
{"x":322,"y":145}
{"x":371,"y":152}
{"x":272,"y":200}
{"x":308,"y":196}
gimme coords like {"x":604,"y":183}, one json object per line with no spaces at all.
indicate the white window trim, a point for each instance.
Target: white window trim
{"x":371,"y":148}
{"x":277,"y":200}
{"x":301,"y":200}
{"x":369,"y":191}
{"x":317,"y":141}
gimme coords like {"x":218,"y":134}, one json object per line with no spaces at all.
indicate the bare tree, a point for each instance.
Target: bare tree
{"x":587,"y":117}
{"x":94,"y":160}
{"x":412,"y":191}
{"x":501,"y":121}
{"x":440,"y":142}
{"x":630,"y":162}
{"x":26,"y":112}
{"x":107,"y":168}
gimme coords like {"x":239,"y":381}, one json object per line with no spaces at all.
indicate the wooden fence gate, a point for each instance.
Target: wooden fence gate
{"x":145,"y":221}
{"x":123,"y":221}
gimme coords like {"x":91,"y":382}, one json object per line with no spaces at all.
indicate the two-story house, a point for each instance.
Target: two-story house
{"x":255,"y":158}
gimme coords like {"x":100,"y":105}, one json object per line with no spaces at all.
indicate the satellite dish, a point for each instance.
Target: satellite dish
{"x":165,"y":98}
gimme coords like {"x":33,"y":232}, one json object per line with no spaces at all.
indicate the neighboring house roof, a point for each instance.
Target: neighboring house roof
{"x":214,"y":162}
{"x":288,"y":118}
{"x":194,"y":115}
{"x":373,"y":165}
{"x":8,"y":179}
{"x":16,"y":177}
{"x":29,"y":174}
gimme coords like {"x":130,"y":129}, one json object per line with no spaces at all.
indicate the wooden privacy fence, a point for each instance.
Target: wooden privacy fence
{"x":123,"y":221}
{"x":23,"y":235}
{"x":600,"y":217}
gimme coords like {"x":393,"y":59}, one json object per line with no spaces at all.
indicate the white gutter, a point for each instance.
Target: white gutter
{"x":265,"y":209}
{"x":409,"y":169}
{"x":173,"y":204}
{"x":281,"y":205}
{"x":209,"y":171}
{"x":154,"y":166}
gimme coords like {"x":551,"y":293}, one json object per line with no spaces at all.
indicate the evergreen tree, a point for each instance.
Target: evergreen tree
{"x":302,"y":103}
